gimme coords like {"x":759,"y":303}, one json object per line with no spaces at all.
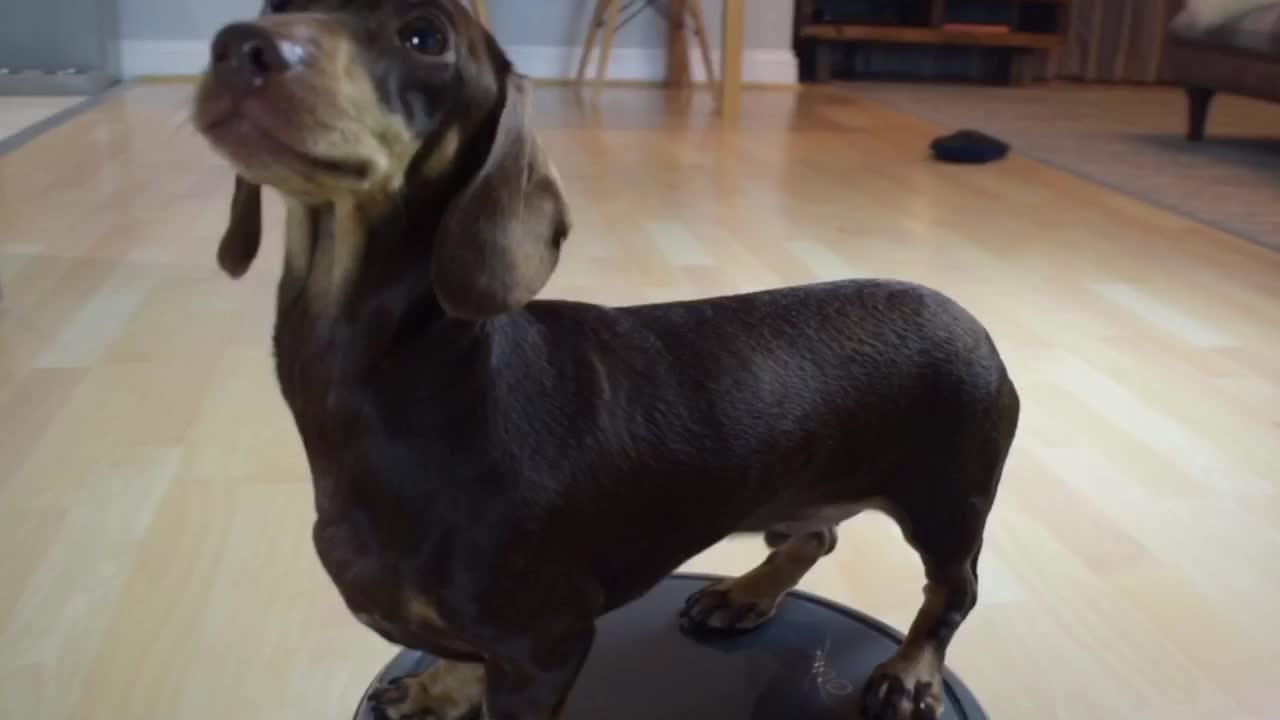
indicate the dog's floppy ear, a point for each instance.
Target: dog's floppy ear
{"x":499,"y":241}
{"x":240,"y":242}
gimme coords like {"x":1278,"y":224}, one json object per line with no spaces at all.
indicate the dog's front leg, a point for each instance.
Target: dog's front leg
{"x":448,"y":690}
{"x":530,"y":679}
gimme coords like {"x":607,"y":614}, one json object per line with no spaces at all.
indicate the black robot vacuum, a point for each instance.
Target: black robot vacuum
{"x":808,"y":663}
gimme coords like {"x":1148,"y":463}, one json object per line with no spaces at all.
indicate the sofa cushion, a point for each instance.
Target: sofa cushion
{"x":1236,"y":24}
{"x":1200,"y":15}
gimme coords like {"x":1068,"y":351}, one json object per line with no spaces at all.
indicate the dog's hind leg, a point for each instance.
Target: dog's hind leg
{"x":909,"y":685}
{"x":944,"y":521}
{"x":746,"y":602}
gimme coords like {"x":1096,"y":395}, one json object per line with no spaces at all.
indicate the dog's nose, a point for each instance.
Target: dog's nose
{"x":245,"y":56}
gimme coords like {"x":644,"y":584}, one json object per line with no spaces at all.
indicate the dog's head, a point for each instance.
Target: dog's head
{"x":365,"y":100}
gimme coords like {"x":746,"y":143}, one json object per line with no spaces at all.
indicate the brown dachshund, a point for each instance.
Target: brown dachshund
{"x":493,"y":472}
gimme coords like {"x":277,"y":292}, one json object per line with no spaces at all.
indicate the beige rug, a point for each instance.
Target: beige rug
{"x":1130,"y":139}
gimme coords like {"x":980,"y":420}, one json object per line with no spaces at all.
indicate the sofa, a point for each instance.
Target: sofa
{"x":1224,"y":46}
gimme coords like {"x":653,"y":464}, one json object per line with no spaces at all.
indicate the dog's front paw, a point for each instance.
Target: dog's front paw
{"x":903,"y":690}
{"x":728,"y":606}
{"x":399,"y":699}
{"x":446,"y":691}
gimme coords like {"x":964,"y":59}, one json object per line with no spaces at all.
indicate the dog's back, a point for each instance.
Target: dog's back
{"x":763,"y":379}
{"x":736,"y":413}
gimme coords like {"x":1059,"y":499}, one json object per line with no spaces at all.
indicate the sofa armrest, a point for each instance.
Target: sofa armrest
{"x":1223,"y":69}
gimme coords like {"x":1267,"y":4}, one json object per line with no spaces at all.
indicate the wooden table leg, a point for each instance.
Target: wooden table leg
{"x":731,"y":60}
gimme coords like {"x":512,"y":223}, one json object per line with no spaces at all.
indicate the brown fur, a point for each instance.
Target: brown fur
{"x":494,"y":472}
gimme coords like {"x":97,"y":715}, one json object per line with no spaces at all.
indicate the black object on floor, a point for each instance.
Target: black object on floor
{"x":969,"y":146}
{"x":808,"y":663}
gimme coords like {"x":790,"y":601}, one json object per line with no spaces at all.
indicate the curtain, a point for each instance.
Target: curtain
{"x":1114,"y":41}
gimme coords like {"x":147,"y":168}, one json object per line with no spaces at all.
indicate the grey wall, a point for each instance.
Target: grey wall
{"x":177,"y":20}
{"x":564,"y":23}
{"x":57,"y":34}
{"x":553,"y":23}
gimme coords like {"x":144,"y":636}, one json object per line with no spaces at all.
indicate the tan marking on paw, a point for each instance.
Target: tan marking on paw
{"x":761,"y":588}
{"x":916,"y":691}
{"x":446,"y":691}
{"x":747,"y":602}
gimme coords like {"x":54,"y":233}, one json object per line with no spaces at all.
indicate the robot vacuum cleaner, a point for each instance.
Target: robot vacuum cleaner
{"x":808,"y":663}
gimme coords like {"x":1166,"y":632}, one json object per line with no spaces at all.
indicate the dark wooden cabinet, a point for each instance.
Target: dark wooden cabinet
{"x":1016,"y":30}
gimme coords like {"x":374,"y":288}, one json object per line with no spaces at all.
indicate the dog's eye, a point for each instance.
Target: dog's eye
{"x":426,"y":36}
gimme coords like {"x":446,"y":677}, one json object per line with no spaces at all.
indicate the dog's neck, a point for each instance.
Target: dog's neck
{"x":324,"y":248}
{"x":329,"y":244}
{"x":358,"y":267}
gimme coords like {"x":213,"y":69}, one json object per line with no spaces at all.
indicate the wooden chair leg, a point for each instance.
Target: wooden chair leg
{"x":610,"y":31}
{"x":678,"y":72}
{"x":704,"y":42}
{"x":481,"y":10}
{"x":597,"y":21}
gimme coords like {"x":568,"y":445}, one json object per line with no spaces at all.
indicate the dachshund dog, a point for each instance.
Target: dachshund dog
{"x":494,"y":472}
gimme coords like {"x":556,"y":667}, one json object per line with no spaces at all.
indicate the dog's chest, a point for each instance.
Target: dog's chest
{"x":371,"y":545}
{"x":380,"y":592}
{"x":379,"y":548}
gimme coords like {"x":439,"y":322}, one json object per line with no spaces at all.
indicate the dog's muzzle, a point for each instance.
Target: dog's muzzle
{"x":285,"y":100}
{"x":245,"y":58}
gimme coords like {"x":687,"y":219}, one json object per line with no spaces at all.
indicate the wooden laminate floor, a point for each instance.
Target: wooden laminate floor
{"x":20,"y":112}
{"x":155,"y":557}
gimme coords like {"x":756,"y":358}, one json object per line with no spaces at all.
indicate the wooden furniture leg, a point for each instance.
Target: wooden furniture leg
{"x":593,"y":33}
{"x":1019,"y":67}
{"x":1198,"y":100}
{"x":937,"y":13}
{"x":610,"y":31}
{"x":824,"y":60}
{"x":481,"y":10}
{"x":704,"y":42}
{"x":678,"y":43}
{"x":731,"y":58}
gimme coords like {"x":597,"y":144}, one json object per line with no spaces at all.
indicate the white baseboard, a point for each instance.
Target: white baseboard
{"x":771,"y":67}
